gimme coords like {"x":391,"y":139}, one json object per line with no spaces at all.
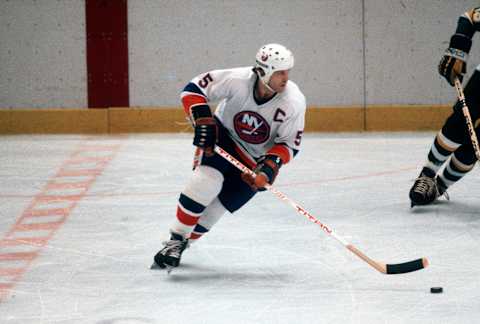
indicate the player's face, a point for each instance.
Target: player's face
{"x":278,"y":80}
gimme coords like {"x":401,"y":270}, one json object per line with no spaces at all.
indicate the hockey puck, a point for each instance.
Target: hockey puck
{"x":436,"y":290}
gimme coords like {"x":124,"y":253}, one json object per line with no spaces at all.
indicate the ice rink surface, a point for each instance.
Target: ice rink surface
{"x":86,"y":258}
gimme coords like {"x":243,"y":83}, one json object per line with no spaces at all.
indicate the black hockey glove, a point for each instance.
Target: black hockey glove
{"x":266,"y":171}
{"x":205,"y":134}
{"x":454,"y":62}
{"x":458,"y":107}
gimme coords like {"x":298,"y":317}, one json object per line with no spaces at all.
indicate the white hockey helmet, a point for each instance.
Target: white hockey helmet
{"x":271,"y":58}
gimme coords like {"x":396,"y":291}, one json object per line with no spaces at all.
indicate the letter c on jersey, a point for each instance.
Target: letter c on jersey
{"x":251,"y":127}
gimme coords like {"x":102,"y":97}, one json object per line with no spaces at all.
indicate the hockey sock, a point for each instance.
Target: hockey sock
{"x":188,"y":213}
{"x":210,"y":217}
{"x":200,"y":191}
{"x":441,"y":149}
{"x":456,"y":168}
{"x":197,"y":233}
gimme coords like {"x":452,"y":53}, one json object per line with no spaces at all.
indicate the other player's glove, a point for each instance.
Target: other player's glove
{"x":454,"y":62}
{"x":265,"y":172}
{"x":205,"y":134}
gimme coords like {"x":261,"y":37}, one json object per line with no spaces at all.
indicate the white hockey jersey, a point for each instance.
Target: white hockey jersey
{"x":255,"y":127}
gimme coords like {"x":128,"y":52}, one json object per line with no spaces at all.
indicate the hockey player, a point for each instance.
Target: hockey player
{"x":452,"y":146}
{"x":259,"y":120}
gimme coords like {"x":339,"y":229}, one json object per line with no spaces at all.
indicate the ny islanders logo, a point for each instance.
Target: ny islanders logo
{"x":251,"y":127}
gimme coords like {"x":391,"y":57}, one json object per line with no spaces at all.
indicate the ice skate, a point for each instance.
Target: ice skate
{"x":424,"y":191}
{"x":441,"y":188}
{"x":427,"y":188}
{"x":169,"y":257}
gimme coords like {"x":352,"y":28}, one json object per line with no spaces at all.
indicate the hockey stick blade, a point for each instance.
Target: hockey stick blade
{"x":406,"y":267}
{"x":397,"y":268}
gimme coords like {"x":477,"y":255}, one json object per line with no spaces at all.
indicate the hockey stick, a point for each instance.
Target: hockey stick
{"x":379,"y":266}
{"x":468,"y":118}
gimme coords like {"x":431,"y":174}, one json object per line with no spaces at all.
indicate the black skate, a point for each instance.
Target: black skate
{"x":169,"y":257}
{"x":424,"y":190}
{"x":441,"y":188}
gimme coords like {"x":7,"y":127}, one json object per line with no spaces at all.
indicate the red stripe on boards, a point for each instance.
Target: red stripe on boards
{"x":107,"y":53}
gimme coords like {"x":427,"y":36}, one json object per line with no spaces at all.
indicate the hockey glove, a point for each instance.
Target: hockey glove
{"x":454,"y":62}
{"x":458,"y":107}
{"x":205,"y":134}
{"x":265,"y":172}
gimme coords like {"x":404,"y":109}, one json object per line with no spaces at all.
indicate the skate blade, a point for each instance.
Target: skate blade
{"x":155,"y":266}
{"x":168,"y":268}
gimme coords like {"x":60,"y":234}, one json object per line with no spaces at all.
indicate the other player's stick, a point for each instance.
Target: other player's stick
{"x":468,"y":118}
{"x":379,"y":266}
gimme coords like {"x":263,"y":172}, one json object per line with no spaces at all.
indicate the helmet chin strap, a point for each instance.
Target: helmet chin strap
{"x":265,"y":83}
{"x":268,"y":87}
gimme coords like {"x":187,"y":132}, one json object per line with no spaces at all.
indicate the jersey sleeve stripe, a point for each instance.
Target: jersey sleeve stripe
{"x":193,"y":88}
{"x":192,"y":100}
{"x":283,"y":151}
